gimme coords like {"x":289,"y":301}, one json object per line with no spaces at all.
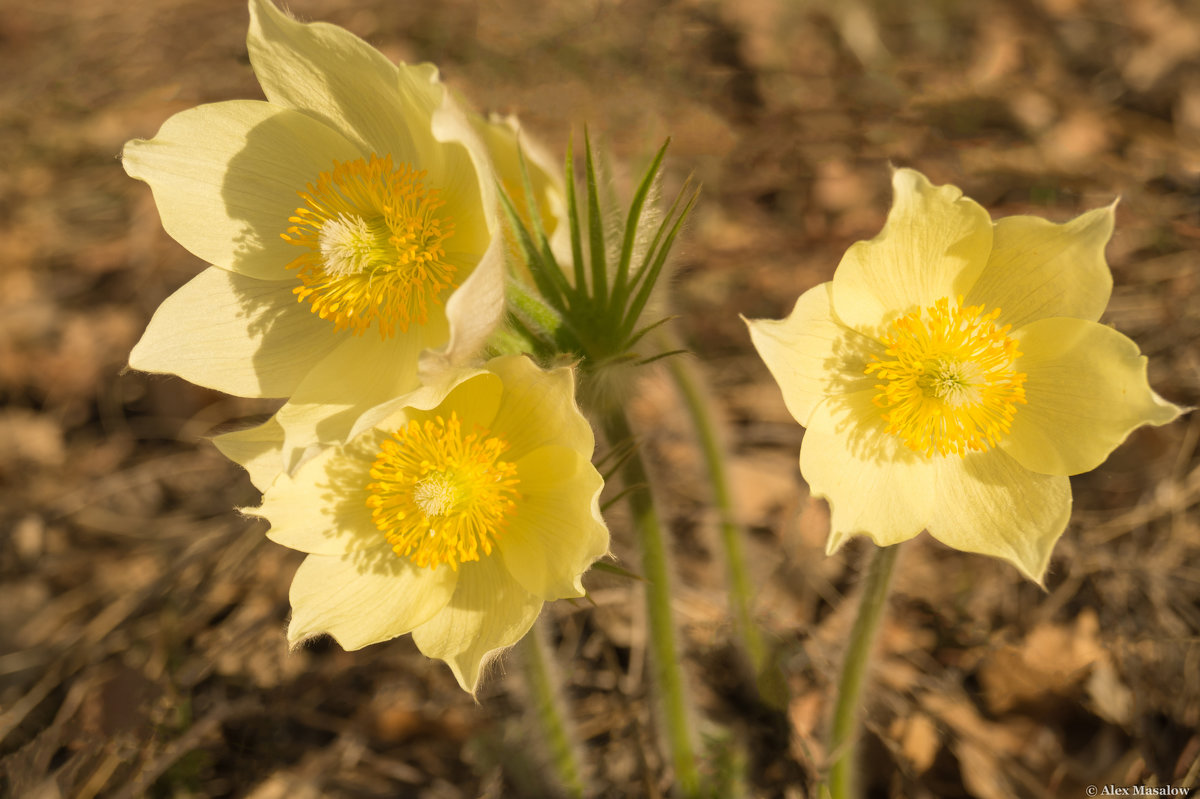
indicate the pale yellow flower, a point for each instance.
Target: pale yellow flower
{"x":953,"y":374}
{"x":258,"y":448}
{"x":506,"y":145}
{"x":350,"y":219}
{"x":452,"y":513}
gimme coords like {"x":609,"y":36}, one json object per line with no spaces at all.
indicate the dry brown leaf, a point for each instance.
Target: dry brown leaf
{"x":284,"y":785}
{"x":762,"y":484}
{"x":981,"y":774}
{"x":806,"y":715}
{"x":29,"y":438}
{"x":919,"y":740}
{"x":1111,"y":698}
{"x":1052,"y":660}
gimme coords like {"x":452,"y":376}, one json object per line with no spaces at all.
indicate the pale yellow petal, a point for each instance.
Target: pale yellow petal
{"x":258,"y":450}
{"x":334,"y":76}
{"x":1086,"y":389}
{"x":556,"y":532}
{"x":235,"y":334}
{"x":539,"y":408}
{"x":811,"y":355}
{"x":473,"y":394}
{"x":365,"y":596}
{"x":474,"y":309}
{"x":1038,"y":269}
{"x":362,"y":372}
{"x":226,"y":177}
{"x":989,"y":504}
{"x":507,"y":144}
{"x":934,"y":245}
{"x":459,"y":167}
{"x":489,"y":612}
{"x":875,"y":485}
{"x":322,"y":508}
{"x":475,"y":400}
{"x":460,"y":170}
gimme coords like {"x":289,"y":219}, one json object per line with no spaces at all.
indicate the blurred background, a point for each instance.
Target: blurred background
{"x":142,"y":648}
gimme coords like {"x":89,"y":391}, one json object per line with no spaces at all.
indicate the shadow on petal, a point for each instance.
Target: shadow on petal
{"x":343,"y":496}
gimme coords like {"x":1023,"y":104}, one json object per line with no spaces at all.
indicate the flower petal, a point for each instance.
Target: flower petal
{"x":360,"y":373}
{"x":334,"y":76}
{"x":539,"y":408}
{"x":488,"y":612}
{"x":365,"y":597}
{"x":258,"y":450}
{"x":934,"y":245}
{"x":476,"y":400}
{"x":471,"y":393}
{"x":989,"y":504}
{"x":472,"y":311}
{"x":1038,"y":269}
{"x":1086,"y":389}
{"x":556,"y":532}
{"x":508,"y":146}
{"x":235,"y":334}
{"x":322,"y":508}
{"x":811,"y":354}
{"x":456,"y":166}
{"x":225,"y":179}
{"x":875,"y":485}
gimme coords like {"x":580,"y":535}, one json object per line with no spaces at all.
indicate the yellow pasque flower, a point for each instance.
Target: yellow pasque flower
{"x":953,"y":374}
{"x":452,"y":513}
{"x":258,"y":448}
{"x":507,"y":144}
{"x":350,"y":220}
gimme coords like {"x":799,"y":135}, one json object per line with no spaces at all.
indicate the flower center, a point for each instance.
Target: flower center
{"x":438,"y":496}
{"x":949,"y":385}
{"x":375,"y":244}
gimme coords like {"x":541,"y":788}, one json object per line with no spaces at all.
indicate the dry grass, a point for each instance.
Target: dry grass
{"x":141,"y":645}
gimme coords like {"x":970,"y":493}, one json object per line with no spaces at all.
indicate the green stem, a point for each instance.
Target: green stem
{"x":740,"y":593}
{"x":843,"y":739}
{"x":544,"y":693}
{"x":668,"y":676}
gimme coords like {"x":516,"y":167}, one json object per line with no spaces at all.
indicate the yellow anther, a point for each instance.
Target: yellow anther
{"x":440,"y":497}
{"x":375,"y":246}
{"x":949,"y":382}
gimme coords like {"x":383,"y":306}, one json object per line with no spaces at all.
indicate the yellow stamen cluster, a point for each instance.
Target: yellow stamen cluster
{"x":949,"y":385}
{"x":376,"y":246}
{"x":441,"y":497}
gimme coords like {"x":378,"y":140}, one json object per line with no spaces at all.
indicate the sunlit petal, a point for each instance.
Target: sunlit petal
{"x":1086,"y":391}
{"x":935,"y":244}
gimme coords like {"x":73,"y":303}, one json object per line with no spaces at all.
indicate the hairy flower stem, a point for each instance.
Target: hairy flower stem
{"x":544,"y":694}
{"x":668,"y":676}
{"x":740,"y":593}
{"x":843,"y":737}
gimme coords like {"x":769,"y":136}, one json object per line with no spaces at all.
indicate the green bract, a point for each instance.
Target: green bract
{"x":593,"y":309}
